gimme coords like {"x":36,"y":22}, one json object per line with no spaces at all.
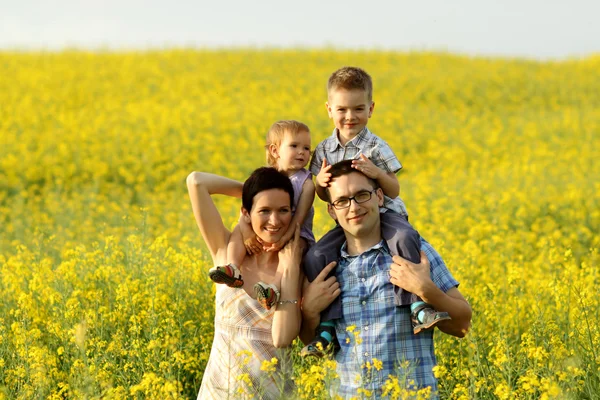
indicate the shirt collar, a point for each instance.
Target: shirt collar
{"x":344,"y":250}
{"x":362,"y":137}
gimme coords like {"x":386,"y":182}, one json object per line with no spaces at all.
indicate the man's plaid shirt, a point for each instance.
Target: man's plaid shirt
{"x":384,"y":330}
{"x":373,"y":147}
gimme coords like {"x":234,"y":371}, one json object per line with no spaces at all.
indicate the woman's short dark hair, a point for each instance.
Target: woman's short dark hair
{"x":265,"y":178}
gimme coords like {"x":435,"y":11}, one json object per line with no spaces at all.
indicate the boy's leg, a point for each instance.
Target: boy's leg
{"x":325,"y":251}
{"x":230,"y":274}
{"x":325,"y":341}
{"x":405,"y":241}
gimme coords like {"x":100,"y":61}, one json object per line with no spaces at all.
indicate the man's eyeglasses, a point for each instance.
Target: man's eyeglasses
{"x":360,"y":197}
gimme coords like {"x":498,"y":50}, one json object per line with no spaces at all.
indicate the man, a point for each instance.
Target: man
{"x":373,"y":330}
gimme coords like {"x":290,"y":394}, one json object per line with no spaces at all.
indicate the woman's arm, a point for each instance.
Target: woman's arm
{"x":201,"y":186}
{"x":287,"y":318}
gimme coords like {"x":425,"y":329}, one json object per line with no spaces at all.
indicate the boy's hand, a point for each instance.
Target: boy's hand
{"x":324,"y":176}
{"x":366,"y":166}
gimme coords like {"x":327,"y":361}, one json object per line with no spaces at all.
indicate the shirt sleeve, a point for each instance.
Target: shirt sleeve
{"x":440,"y":274}
{"x":384,"y":158}
{"x":317,"y":159}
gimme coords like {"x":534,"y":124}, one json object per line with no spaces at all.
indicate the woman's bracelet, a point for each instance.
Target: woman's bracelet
{"x":282,"y":302}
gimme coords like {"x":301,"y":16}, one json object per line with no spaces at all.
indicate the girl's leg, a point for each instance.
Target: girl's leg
{"x":236,"y":251}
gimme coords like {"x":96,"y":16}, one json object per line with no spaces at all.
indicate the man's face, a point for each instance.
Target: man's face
{"x":350,"y":111}
{"x":360,"y":220}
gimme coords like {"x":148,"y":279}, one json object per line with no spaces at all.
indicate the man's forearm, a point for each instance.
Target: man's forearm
{"x":454,"y":304}
{"x":309,"y":326}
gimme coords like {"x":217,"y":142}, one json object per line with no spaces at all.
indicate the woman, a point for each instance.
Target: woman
{"x":246,"y":334}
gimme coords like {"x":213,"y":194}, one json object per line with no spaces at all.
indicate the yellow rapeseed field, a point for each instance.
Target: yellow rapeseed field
{"x":103,"y":274}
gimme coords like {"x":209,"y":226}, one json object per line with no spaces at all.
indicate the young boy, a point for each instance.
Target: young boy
{"x":350,"y":105}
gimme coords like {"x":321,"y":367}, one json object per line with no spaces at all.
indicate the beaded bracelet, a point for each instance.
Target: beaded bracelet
{"x":281,"y":302}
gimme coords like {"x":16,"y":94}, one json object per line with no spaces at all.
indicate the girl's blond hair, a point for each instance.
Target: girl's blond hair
{"x":276,"y":134}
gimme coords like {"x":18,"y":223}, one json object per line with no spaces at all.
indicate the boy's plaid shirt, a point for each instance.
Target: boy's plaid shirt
{"x":383,"y":330}
{"x":373,"y":147}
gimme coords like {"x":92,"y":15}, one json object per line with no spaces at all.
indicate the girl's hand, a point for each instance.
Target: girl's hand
{"x":366,"y":166}
{"x":253,"y":246}
{"x":323,"y":177}
{"x":279,"y":244}
{"x":251,"y":242}
{"x":291,"y":254}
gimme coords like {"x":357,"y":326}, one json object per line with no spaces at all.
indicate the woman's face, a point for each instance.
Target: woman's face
{"x":270,"y":215}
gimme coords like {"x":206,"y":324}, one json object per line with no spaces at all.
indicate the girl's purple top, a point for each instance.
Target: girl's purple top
{"x":298,"y":180}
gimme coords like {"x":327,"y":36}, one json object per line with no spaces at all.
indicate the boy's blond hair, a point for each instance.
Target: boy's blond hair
{"x":276,"y":134}
{"x":351,"y":78}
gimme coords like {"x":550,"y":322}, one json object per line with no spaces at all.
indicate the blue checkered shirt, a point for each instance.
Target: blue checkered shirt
{"x":373,"y":147}
{"x":385,"y":329}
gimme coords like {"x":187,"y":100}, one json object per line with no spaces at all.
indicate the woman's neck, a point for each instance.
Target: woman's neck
{"x":265,"y":258}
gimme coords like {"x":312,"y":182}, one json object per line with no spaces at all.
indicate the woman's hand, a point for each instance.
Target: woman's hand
{"x":291,"y":254}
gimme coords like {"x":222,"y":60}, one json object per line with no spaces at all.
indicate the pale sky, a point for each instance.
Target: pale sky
{"x":529,"y":28}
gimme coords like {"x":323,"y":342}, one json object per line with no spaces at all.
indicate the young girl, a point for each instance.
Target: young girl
{"x":288,"y":150}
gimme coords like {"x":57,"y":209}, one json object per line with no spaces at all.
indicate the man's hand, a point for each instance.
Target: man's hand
{"x":410,"y":276}
{"x":366,"y":166}
{"x":323,"y":177}
{"x":319,"y":294}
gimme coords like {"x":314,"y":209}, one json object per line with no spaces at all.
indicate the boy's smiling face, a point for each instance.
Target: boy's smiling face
{"x":350,"y":111}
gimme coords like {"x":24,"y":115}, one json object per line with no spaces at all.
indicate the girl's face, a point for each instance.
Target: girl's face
{"x":293,"y":153}
{"x":271,"y":214}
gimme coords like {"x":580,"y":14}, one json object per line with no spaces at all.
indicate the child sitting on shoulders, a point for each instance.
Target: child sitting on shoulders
{"x":287,"y":150}
{"x":350,"y":105}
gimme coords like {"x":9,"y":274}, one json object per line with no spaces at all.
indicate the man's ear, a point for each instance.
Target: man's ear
{"x":371,"y":108}
{"x":331,"y":212}
{"x":380,"y":196}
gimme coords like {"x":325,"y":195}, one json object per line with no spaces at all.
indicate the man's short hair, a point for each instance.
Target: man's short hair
{"x":350,"y":78}
{"x":344,"y":168}
{"x":264,"y":178}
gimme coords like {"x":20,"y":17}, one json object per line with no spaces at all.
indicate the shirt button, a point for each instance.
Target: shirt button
{"x":366,"y":328}
{"x":364,"y":303}
{"x":366,"y":354}
{"x":363,"y":279}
